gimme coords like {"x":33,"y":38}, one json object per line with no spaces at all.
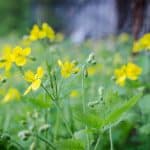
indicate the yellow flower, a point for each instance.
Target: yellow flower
{"x":74,"y":94}
{"x":94,"y":69}
{"x":59,"y":37}
{"x":123,"y":38}
{"x":130,"y":71}
{"x":49,"y":32}
{"x":120,"y":75}
{"x":117,"y":58}
{"x":67,"y":68}
{"x":133,"y":71}
{"x":34,"y":79}
{"x":142,"y":44}
{"x":36,"y":33}
{"x":6,"y":59}
{"x":12,"y":94}
{"x":20,"y":55}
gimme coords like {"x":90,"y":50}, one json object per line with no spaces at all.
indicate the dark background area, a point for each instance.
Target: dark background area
{"x":18,"y":16}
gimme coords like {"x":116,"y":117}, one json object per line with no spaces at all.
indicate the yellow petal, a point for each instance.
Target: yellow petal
{"x":40,"y":72}
{"x":20,"y":61}
{"x":26,"y":51}
{"x":29,"y":76}
{"x":28,"y":90}
{"x":36,"y":84}
{"x":60,"y":63}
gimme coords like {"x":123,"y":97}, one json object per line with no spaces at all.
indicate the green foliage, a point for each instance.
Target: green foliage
{"x":70,"y":144}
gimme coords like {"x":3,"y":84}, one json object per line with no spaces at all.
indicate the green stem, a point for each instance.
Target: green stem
{"x":110,"y":138}
{"x":56,"y":125}
{"x":21,"y":147}
{"x":83,"y":88}
{"x":59,"y":108}
{"x":65,"y":122}
{"x":47,"y":92}
{"x":45,"y":141}
{"x":84,"y":105}
{"x":97,"y":143}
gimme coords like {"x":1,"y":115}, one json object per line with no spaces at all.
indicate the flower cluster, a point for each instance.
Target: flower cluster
{"x":34,"y":79}
{"x":130,"y":71}
{"x":45,"y":32}
{"x":142,"y":44}
{"x":15,"y":55}
{"x":67,"y":68}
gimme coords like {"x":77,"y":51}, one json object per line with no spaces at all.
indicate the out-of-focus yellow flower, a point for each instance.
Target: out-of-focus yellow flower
{"x":25,"y":41}
{"x":49,"y":32}
{"x":7,"y":58}
{"x":12,"y":94}
{"x":133,"y":71}
{"x":40,"y":33}
{"x":74,"y":94}
{"x":20,"y":55}
{"x":59,"y":37}
{"x":34,"y":79}
{"x":36,"y":33}
{"x":67,"y":68}
{"x":123,"y":38}
{"x":142,"y":44}
{"x":120,"y":75}
{"x":92,"y":70}
{"x":117,"y":59}
{"x":130,"y":71}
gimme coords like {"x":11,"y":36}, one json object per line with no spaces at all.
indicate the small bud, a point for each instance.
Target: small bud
{"x":33,"y":146}
{"x":93,"y":62}
{"x":85,"y":73}
{"x":91,"y":58}
{"x":32,"y":58}
{"x":113,"y":78}
{"x":5,"y":137}
{"x":101,"y":90}
{"x":75,"y":62}
{"x":44,"y":128}
{"x":92,"y":104}
{"x":24,"y":135}
{"x":3,"y":80}
{"x":2,"y":60}
{"x":23,"y":122}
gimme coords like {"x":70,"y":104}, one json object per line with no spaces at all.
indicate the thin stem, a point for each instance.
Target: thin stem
{"x":83,"y":96}
{"x":65,"y":123}
{"x":56,"y":125}
{"x":21,"y":147}
{"x":110,"y":138}
{"x":97,"y":143}
{"x":47,"y":92}
{"x":59,"y":108}
{"x":84,"y":104}
{"x":47,"y":142}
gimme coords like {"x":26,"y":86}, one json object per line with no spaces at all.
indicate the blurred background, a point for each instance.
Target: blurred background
{"x":80,"y":19}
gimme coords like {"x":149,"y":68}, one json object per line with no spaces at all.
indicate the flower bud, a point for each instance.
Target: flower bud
{"x":101,"y":90}
{"x":5,"y":137}
{"x":75,"y":62}
{"x":44,"y":128}
{"x":85,"y":73}
{"x":91,"y":57}
{"x":33,"y":146}
{"x":92,"y":104}
{"x":24,"y":135}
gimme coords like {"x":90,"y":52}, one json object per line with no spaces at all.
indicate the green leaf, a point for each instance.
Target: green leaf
{"x":145,"y":129}
{"x":91,"y":120}
{"x":114,"y":116}
{"x":144,"y":104}
{"x":69,"y":144}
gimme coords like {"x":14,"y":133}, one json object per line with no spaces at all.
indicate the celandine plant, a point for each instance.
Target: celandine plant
{"x":59,"y":123}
